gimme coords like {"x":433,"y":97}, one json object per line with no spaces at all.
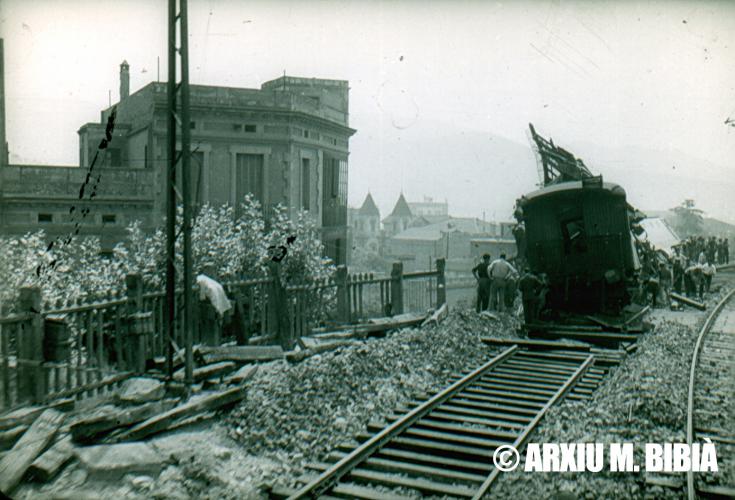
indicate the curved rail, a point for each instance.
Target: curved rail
{"x":691,"y":494}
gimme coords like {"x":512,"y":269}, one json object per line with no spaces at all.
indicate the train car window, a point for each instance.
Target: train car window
{"x":575,"y":236}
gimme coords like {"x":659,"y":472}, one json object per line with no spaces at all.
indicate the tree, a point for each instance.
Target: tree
{"x":689,"y":220}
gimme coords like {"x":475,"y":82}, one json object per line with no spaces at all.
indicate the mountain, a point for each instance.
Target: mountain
{"x":477,"y":173}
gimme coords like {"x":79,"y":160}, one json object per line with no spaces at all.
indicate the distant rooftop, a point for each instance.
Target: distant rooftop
{"x":436,"y":231}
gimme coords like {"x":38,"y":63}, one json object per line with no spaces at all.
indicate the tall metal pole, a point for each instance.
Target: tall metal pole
{"x":186,"y":185}
{"x":181,"y":119}
{"x":170,"y":316}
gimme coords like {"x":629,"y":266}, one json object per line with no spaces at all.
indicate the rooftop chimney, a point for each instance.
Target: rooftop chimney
{"x":3,"y":144}
{"x":124,"y":80}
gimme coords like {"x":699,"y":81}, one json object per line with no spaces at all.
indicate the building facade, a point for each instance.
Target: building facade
{"x":429,"y":207}
{"x":286,"y":143}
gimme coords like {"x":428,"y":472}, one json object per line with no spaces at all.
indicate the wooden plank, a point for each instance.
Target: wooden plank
{"x":536,"y":344}
{"x":688,"y":301}
{"x":28,"y":447}
{"x":47,"y":465}
{"x":423,"y":485}
{"x":208,"y":371}
{"x":162,"y":422}
{"x":10,"y":437}
{"x":26,"y":416}
{"x":296,"y":356}
{"x":241,"y":353}
{"x":88,"y":429}
{"x":243,"y":374}
{"x":716,"y":491}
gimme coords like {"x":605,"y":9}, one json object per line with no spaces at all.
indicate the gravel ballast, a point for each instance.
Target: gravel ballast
{"x":298,"y":413}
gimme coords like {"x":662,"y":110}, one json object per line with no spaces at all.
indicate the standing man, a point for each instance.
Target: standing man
{"x":483,"y":283}
{"x":499,"y":271}
{"x":678,"y":269}
{"x":708,"y":272}
{"x":665,"y":279}
{"x":530,"y":286}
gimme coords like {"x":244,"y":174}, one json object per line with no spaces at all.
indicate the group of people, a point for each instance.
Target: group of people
{"x":496,"y":283}
{"x":716,"y":250}
{"x":689,"y":271}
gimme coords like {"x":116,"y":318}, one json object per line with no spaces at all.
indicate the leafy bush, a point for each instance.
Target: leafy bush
{"x":233,"y":247}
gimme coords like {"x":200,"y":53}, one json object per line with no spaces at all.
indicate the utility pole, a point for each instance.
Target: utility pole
{"x":181,"y":119}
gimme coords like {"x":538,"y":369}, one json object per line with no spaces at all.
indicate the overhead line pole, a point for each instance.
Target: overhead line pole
{"x":181,"y":119}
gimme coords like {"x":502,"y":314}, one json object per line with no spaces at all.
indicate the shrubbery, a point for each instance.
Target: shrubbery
{"x":236,"y":247}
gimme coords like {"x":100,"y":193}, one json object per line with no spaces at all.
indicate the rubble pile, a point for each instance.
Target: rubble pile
{"x":297,"y":413}
{"x":643,"y":401}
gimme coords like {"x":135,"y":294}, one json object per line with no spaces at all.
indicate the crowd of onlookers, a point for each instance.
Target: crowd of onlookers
{"x":688,"y":271}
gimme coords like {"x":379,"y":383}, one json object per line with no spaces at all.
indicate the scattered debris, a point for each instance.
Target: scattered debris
{"x":109,"y":418}
{"x":167,"y":419}
{"x":15,"y":463}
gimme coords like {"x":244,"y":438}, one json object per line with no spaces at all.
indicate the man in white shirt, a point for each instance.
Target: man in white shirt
{"x":499,"y":272}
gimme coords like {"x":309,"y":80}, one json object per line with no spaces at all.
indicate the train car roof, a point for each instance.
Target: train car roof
{"x":571,"y":186}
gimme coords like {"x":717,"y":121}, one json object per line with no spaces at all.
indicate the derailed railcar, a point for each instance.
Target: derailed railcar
{"x":578,"y":234}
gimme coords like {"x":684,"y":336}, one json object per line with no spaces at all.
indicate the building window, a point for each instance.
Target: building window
{"x":249,"y":176}
{"x":45,"y":218}
{"x":115,"y":157}
{"x":192,"y":125}
{"x":306,"y":133}
{"x":251,"y":129}
{"x":109,"y":219}
{"x":305,"y":183}
{"x":237,"y":127}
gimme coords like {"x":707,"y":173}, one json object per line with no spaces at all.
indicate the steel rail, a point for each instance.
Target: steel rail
{"x":691,"y":493}
{"x":331,"y":476}
{"x":521,"y":439}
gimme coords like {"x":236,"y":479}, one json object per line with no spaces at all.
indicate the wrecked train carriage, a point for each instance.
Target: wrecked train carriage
{"x":578,"y":234}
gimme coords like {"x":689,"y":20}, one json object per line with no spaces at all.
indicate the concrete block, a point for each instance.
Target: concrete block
{"x":113,"y":461}
{"x":141,"y":390}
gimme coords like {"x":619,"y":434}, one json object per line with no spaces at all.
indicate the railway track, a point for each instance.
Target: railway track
{"x":711,"y":401}
{"x":443,"y":444}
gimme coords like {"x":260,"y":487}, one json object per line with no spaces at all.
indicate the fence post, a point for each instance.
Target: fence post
{"x":396,"y":288}
{"x":441,"y":282}
{"x":135,"y":338}
{"x":31,"y":380}
{"x":343,"y":303}
{"x":278,"y":311}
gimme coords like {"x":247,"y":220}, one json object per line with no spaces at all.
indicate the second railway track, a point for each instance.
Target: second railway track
{"x":711,"y":401}
{"x":443,"y":444}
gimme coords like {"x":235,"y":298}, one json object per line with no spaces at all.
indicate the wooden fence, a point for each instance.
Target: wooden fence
{"x":76,"y":350}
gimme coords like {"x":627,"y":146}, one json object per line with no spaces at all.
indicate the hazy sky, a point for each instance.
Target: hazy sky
{"x":619,"y":75}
